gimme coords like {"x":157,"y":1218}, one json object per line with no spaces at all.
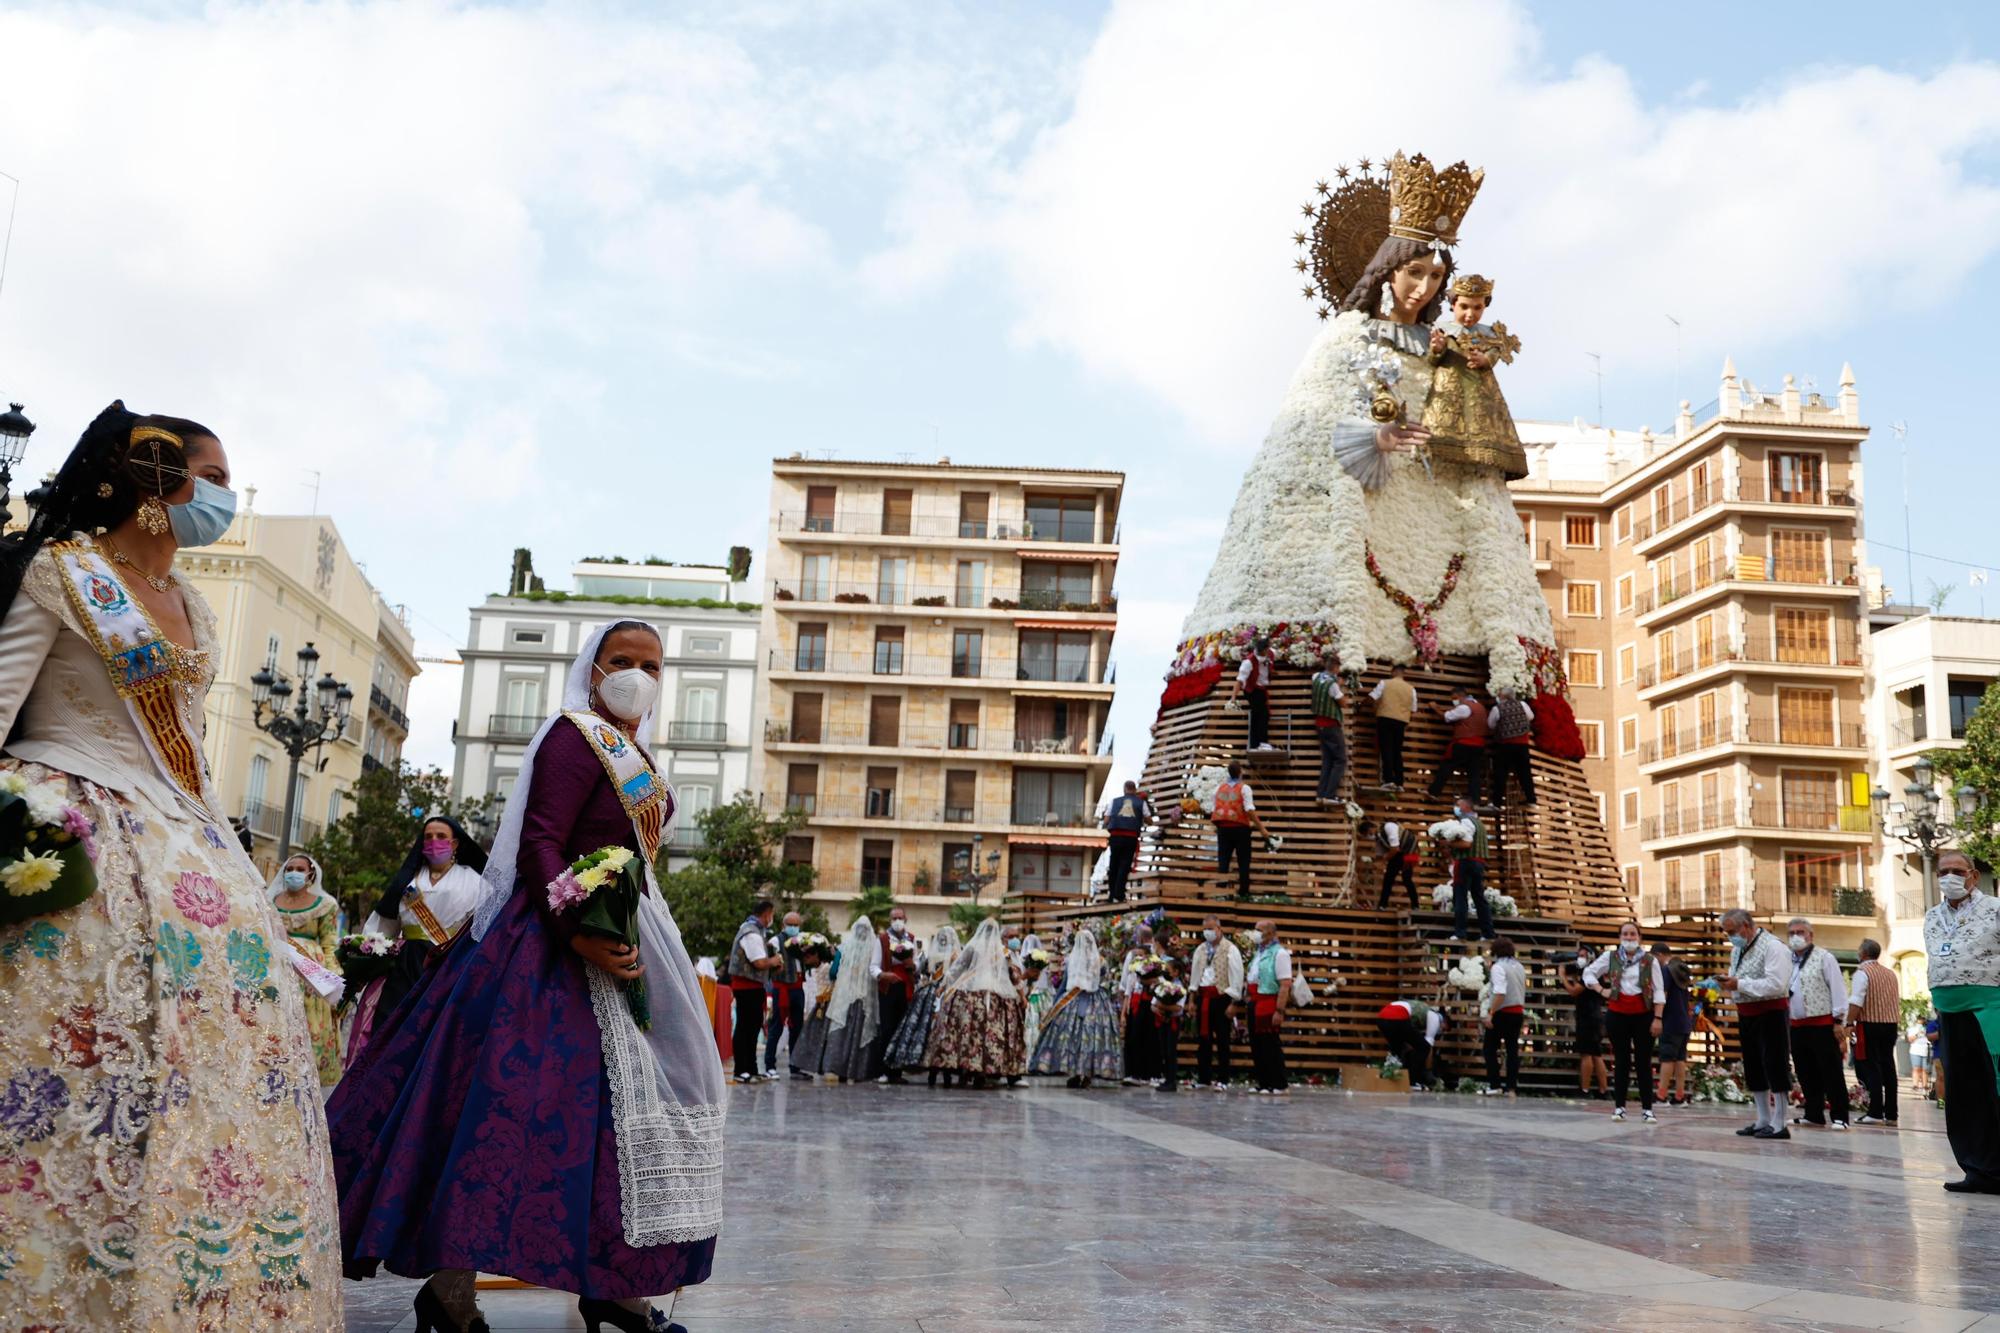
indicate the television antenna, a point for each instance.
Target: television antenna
{"x":1597,"y":364}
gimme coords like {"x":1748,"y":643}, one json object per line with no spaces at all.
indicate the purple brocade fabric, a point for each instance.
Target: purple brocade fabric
{"x":475,"y":1131}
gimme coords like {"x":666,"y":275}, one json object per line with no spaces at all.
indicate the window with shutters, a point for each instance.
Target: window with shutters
{"x":892,"y":580}
{"x":1624,"y":586}
{"x":1799,"y":555}
{"x":1621,"y":528}
{"x":1795,"y":478}
{"x":1628,"y":808}
{"x":881,"y":794}
{"x":815,"y":578}
{"x":888,"y":650}
{"x":1580,"y":599}
{"x":1628,"y":662}
{"x":810,"y":654}
{"x":1805,"y":717}
{"x":807,"y":710}
{"x":895,"y":513}
{"x":1667,"y":654}
{"x":1631,"y":875}
{"x":967,"y":646}
{"x":963,"y":729}
{"x":1811,"y":877}
{"x":1586,"y":667}
{"x":878,"y":863}
{"x":1670,"y":809}
{"x":961,"y":794}
{"x":802,"y":788}
{"x":1670,"y":881}
{"x":1579,"y":530}
{"x":819,"y":508}
{"x":972,"y":513}
{"x":1667,"y":730}
{"x":799,"y":849}
{"x":1805,"y":634}
{"x":1593,"y":739}
{"x":1706,"y":732}
{"x":1711,"y":878}
{"x":885,"y":720}
{"x":1628,"y":734}
{"x":1663,"y":506}
{"x":1809,"y":798}
{"x":970,"y":590}
{"x":1705,"y":559}
{"x":1704,"y":641}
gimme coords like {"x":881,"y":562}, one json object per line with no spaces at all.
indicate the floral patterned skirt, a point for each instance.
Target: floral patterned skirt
{"x":906,"y":1048}
{"x":1082,"y":1037}
{"x":161,"y":1137}
{"x":978,"y":1032}
{"x":320,"y":1019}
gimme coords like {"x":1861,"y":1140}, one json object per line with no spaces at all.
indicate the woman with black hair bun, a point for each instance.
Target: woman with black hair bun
{"x":425,"y":904}
{"x":159,"y":1100}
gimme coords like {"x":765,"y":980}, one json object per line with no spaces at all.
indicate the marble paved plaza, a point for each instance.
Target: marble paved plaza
{"x":1042,"y":1208}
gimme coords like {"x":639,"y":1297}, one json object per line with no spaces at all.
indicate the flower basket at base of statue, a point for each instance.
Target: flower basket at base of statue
{"x":46,"y":850}
{"x":602,"y":890}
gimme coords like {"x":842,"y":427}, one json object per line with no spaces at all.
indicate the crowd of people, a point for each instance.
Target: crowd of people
{"x":882,"y":1006}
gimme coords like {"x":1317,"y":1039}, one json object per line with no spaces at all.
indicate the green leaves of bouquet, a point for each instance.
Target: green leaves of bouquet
{"x":46,"y":851}
{"x":602,"y":891}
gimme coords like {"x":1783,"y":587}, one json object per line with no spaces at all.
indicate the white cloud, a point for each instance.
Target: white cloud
{"x":1148,"y":232}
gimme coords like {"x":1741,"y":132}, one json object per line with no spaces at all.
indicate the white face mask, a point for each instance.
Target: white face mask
{"x":1798,"y":940}
{"x":898,"y":925}
{"x":628,"y":694}
{"x":1953,"y":886}
{"x":1256,"y":937}
{"x":1209,"y":935}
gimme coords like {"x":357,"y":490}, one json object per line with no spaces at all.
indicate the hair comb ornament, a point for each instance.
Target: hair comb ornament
{"x":156,"y":460}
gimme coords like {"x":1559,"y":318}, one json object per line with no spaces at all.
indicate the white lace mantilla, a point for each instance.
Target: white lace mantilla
{"x":669,"y":1155}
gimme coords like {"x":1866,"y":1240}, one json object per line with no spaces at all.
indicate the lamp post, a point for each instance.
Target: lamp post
{"x":1919,"y":826}
{"x":966,"y":864}
{"x":300,"y":726}
{"x":15,"y":428}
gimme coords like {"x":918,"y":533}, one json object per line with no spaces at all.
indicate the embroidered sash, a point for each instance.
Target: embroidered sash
{"x":647,"y":799}
{"x":141,"y":661}
{"x":413,"y":899}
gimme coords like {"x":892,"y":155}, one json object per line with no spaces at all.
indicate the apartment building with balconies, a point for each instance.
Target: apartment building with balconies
{"x":1928,"y":673}
{"x":1707,"y":594}
{"x":520,"y":645}
{"x":938,"y":674}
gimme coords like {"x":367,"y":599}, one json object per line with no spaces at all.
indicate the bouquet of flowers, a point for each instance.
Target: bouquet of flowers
{"x":1037,"y":958}
{"x":1168,"y":992}
{"x":798,"y":944}
{"x":364,"y":959}
{"x":47,"y":849}
{"x":902,"y":947}
{"x":603,"y":888}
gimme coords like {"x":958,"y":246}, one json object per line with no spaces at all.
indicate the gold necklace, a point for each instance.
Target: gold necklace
{"x":118,"y":557}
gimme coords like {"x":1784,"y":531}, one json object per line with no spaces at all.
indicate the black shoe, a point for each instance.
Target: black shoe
{"x":598,"y":1313}
{"x":897,"y":1078}
{"x":1749,"y":1131}
{"x":1772,"y":1134}
{"x":432,"y":1316}
{"x":1075,"y":1081}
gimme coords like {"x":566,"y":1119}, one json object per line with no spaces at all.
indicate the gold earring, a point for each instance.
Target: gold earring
{"x":104,"y":491}
{"x":153,"y":516}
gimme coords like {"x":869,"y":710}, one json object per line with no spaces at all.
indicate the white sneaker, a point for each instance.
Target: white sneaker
{"x":1865,"y":1119}
{"x":1618,"y":1113}
{"x":1649,"y":1118}
{"x":1131,"y":1082}
{"x":1838,"y":1124}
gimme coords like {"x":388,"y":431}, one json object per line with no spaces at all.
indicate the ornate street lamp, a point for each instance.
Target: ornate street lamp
{"x":302,"y":726}
{"x":1916,"y":821}
{"x":15,"y":428}
{"x":966,"y":864}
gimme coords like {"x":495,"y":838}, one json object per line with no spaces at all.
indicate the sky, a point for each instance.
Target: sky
{"x":569,"y":276}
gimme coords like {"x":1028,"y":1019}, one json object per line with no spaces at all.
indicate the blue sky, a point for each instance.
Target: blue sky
{"x":493,"y":269}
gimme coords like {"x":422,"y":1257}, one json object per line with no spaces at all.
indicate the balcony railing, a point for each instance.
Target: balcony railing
{"x":931,"y":526}
{"x":1076,"y":816}
{"x":943,"y":667}
{"x":1793,"y":650}
{"x":802,"y":802}
{"x":960,"y":596}
{"x":1679,"y":511}
{"x":958,"y":814}
{"x":698,"y":733}
{"x":512,"y":726}
{"x":1757,"y":490}
{"x":1051,"y":744}
{"x":688,"y":838}
{"x":1689,"y":819}
{"x":268,"y":821}
{"x":1831,"y":735}
{"x":1774,"y":898}
{"x":379,"y":700}
{"x":1802,"y":817}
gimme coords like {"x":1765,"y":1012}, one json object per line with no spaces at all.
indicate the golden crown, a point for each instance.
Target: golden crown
{"x":1365,"y":204}
{"x":1471,"y":284}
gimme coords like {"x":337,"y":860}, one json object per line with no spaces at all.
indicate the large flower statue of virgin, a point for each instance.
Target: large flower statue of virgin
{"x":1356,"y":537}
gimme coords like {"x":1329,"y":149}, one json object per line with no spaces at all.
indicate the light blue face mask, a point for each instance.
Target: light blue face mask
{"x":295,"y":879}
{"x":203,"y":520}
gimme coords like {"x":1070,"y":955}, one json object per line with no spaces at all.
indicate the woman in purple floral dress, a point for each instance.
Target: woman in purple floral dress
{"x":514,"y":1119}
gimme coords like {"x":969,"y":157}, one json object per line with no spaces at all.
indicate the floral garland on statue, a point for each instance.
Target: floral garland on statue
{"x":1420,"y":618}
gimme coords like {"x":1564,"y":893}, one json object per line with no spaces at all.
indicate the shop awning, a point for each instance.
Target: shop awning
{"x":1055,"y":839}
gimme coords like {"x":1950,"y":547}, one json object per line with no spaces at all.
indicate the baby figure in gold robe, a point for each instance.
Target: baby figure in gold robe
{"x":1465,"y":414}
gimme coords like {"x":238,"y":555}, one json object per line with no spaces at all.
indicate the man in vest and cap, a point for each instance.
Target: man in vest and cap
{"x":1874,"y":1012}
{"x":1465,"y":752}
{"x":1332,"y":739}
{"x":1235,"y":816}
{"x":1253,"y":683}
{"x":1124,"y":820}
{"x":1395,"y":701}
{"x":750,"y":959}
{"x":1819,"y":1029}
{"x":1510,"y":725}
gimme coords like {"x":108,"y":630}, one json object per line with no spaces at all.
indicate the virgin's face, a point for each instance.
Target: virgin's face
{"x":1412,"y":286}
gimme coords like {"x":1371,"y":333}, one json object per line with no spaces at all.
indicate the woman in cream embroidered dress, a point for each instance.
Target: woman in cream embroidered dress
{"x":1333,"y":482}
{"x":161,"y":1136}
{"x":312,"y":923}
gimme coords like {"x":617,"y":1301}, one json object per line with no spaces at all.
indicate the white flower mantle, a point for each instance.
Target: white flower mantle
{"x":1294,"y":549}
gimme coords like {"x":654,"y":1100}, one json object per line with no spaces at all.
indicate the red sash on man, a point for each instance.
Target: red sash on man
{"x":897,"y":971}
{"x":1204,"y":997}
{"x":1263,"y":1013}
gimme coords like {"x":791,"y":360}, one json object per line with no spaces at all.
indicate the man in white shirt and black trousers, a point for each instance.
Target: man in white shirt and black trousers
{"x":1215,"y":983}
{"x":1819,"y":1029}
{"x":1962,"y":944}
{"x":1760,"y":981}
{"x":750,"y":957}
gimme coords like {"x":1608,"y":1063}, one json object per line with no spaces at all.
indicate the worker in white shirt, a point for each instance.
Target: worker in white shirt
{"x":1215,"y":976}
{"x":1411,"y":1028}
{"x":1760,"y":981}
{"x":1253,"y":683}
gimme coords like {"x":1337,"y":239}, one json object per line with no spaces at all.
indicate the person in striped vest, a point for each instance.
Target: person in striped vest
{"x":1511,"y":726}
{"x":1874,"y":1010}
{"x":1411,"y":1028}
{"x":1819,"y":1029}
{"x":1760,"y":981}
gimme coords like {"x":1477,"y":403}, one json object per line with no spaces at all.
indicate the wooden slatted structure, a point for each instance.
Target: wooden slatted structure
{"x":1320,"y":889}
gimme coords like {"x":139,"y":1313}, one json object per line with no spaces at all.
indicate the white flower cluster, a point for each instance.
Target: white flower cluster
{"x":1201,"y":786}
{"x":1296,"y":542}
{"x":1452,"y":830}
{"x":1500,"y":904}
{"x":1468,"y":973}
